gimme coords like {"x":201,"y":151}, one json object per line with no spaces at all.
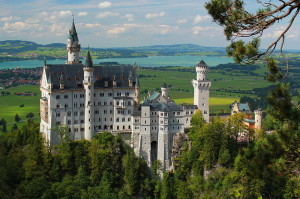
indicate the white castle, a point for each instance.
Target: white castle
{"x":90,"y":99}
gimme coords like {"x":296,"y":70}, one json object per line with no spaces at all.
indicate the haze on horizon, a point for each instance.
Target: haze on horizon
{"x":122,"y":23}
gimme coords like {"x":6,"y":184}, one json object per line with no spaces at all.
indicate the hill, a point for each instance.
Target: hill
{"x":180,"y":48}
{"x":14,"y":50}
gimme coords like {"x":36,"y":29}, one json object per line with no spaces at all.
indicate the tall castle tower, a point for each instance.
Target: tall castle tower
{"x":73,"y":46}
{"x":88,"y":83}
{"x":258,"y":119}
{"x":164,"y":90}
{"x":201,"y":89}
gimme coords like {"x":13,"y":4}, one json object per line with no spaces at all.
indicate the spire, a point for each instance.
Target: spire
{"x":45,"y":63}
{"x":88,"y":60}
{"x":202,"y":64}
{"x":49,"y":79}
{"x":137,"y":84}
{"x":164,"y":85}
{"x":72,"y":32}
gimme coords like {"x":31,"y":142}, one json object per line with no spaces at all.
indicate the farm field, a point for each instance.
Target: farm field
{"x":10,"y":105}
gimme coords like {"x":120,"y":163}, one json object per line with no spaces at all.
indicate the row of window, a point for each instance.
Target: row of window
{"x":189,"y":112}
{"x":58,"y":105}
{"x":121,"y":103}
{"x":123,"y":119}
{"x":100,"y":94}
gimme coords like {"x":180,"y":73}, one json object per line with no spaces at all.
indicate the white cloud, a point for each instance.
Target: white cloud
{"x":82,"y":14}
{"x":273,"y":34}
{"x":14,"y":27}
{"x":90,"y":25}
{"x":165,"y":29}
{"x":63,"y":13}
{"x":116,"y":31}
{"x":199,"y":29}
{"x":154,"y":15}
{"x":58,"y":29}
{"x":32,"y":20}
{"x":43,"y":14}
{"x":182,"y":21}
{"x":105,"y":4}
{"x":129,"y":17}
{"x":10,"y":18}
{"x":107,"y":14}
{"x":292,"y":35}
{"x":200,"y":18}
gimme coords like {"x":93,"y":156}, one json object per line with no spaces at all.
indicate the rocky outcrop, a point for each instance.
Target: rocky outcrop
{"x":181,"y":143}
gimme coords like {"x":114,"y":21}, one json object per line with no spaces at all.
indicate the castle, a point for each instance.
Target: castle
{"x":91,"y":99}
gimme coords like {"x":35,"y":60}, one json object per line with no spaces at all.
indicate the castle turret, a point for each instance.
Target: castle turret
{"x":136,"y":90}
{"x":73,"y":46}
{"x":201,"y":89}
{"x":164,"y":90}
{"x":258,"y":119}
{"x":88,"y":83}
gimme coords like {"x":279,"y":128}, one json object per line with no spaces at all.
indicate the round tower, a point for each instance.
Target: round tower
{"x":201,"y":70}
{"x":201,"y":89}
{"x":258,"y":119}
{"x":88,"y":83}
{"x":164,"y":90}
{"x":73,"y":46}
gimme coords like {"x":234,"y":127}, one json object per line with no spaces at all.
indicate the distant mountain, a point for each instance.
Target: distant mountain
{"x":179,"y":48}
{"x":17,"y":46}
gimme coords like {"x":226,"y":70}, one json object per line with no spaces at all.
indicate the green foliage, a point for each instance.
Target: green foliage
{"x":102,"y":168}
{"x":243,"y":52}
{"x":17,"y":118}
{"x":30,"y":115}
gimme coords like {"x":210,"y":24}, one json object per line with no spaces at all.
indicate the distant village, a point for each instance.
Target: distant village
{"x":19,"y":76}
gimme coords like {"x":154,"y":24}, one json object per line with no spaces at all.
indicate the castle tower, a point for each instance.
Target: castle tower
{"x":258,"y":119}
{"x":88,"y":83}
{"x":136,"y":91}
{"x":164,"y":90}
{"x":73,"y":46}
{"x":201,"y":89}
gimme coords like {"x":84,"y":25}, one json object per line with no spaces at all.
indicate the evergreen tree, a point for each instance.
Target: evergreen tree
{"x":17,"y":118}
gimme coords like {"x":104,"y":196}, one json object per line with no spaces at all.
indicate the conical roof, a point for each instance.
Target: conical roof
{"x":49,"y":81}
{"x":137,"y":83}
{"x":88,"y":60}
{"x":202,"y":64}
{"x":164,"y":85}
{"x":73,"y":33}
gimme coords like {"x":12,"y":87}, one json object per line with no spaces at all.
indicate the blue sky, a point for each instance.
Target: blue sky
{"x":121,"y":23}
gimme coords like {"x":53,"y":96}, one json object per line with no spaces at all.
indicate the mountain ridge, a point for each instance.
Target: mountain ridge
{"x":20,"y":45}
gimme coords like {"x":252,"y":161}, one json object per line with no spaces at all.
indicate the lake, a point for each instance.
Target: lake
{"x":152,"y":61}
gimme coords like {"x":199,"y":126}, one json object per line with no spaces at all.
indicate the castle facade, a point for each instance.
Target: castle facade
{"x":90,"y":99}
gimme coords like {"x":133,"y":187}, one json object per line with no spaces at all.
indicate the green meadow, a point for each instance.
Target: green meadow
{"x":10,"y":104}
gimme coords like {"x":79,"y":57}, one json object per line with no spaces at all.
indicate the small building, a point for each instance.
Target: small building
{"x":255,"y":123}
